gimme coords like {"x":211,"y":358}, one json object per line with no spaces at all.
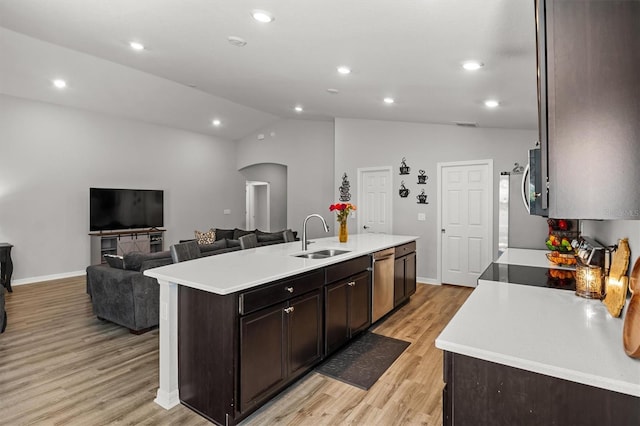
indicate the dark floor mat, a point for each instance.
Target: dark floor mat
{"x":362,"y":362}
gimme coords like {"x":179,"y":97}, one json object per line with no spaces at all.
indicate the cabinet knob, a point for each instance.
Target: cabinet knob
{"x":352,"y":283}
{"x":289,"y":309}
{"x":289,"y":289}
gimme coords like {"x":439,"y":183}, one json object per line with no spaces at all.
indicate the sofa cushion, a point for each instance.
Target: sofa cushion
{"x":207,"y":237}
{"x":133,"y":260}
{"x":233,"y":243}
{"x":155,"y":263}
{"x":114,"y":261}
{"x":264,"y":237}
{"x":237,"y":233}
{"x":221,"y":234}
{"x":217,"y":245}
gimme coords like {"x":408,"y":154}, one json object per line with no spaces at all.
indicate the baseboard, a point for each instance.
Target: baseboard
{"x":430,"y":281}
{"x":41,"y":278}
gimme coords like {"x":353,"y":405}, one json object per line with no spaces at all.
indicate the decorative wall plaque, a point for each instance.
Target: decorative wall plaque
{"x":422,"y":198}
{"x":404,"y":169}
{"x":345,"y":195}
{"x":404,"y":191}
{"x":422,"y":177}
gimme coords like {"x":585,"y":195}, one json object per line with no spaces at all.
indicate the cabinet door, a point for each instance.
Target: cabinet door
{"x":593,"y":108}
{"x":305,"y":331}
{"x":336,"y":316}
{"x":398,"y":281}
{"x":359,"y":303}
{"x":410,"y":274}
{"x":262,"y":353}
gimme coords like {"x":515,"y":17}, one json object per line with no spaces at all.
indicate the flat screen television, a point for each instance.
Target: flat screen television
{"x":115,"y":209}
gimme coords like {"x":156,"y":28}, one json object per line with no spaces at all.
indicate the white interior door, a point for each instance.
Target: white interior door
{"x":466,"y":220}
{"x":375,"y":200}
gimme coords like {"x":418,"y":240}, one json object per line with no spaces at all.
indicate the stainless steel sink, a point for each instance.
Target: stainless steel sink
{"x":322,"y":254}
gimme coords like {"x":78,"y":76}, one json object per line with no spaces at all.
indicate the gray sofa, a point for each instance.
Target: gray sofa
{"x":122,"y":294}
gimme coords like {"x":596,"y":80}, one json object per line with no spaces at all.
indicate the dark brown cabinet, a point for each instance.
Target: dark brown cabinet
{"x":277,"y":344}
{"x":589,"y":104}
{"x":404,"y":271}
{"x":347,"y":310}
{"x":479,"y":392}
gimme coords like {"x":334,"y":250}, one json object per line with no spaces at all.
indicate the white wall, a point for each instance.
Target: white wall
{"x":306,"y":148}
{"x":365,"y":143}
{"x":50,"y":156}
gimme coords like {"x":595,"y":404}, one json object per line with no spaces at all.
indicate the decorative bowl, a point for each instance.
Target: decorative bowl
{"x":561,"y":259}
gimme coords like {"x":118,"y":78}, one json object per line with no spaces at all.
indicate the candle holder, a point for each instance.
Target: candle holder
{"x":589,"y":281}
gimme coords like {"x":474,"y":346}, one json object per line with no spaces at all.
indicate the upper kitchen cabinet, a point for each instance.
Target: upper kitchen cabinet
{"x":589,"y":105}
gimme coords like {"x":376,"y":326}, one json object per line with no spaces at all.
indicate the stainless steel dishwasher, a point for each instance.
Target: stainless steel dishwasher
{"x":382,"y":300}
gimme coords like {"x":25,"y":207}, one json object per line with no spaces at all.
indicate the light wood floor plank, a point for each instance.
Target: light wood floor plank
{"x":60,"y":365}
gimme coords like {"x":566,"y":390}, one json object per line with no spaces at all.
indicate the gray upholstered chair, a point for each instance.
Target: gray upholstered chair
{"x":288,"y":236}
{"x":184,"y":251}
{"x":248,"y":241}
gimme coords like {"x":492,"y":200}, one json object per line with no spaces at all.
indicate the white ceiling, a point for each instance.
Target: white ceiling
{"x":411,"y":50}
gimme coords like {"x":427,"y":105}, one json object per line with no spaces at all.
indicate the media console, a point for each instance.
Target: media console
{"x":125,"y":241}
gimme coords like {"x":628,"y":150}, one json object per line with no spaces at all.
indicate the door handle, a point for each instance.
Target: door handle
{"x":444,"y":231}
{"x":289,"y":309}
{"x":366,"y":227}
{"x":351,"y":283}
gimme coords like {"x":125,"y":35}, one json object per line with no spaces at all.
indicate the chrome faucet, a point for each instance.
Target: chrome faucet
{"x":305,"y":243}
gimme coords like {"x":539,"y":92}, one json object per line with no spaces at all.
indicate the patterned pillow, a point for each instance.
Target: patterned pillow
{"x":114,"y":261}
{"x":208,"y":237}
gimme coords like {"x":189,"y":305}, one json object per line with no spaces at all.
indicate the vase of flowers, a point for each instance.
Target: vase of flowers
{"x":342,"y":213}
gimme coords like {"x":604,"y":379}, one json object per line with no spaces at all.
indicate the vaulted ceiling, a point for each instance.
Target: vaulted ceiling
{"x":189,"y":73}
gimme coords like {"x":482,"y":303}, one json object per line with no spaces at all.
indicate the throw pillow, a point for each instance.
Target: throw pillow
{"x":114,"y":261}
{"x":208,"y":237}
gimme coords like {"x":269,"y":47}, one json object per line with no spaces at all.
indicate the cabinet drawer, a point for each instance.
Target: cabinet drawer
{"x":405,"y":249}
{"x":280,"y":291}
{"x":347,"y":268}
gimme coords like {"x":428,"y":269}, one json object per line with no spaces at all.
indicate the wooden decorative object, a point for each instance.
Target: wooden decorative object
{"x":631,"y":330}
{"x":617,"y":282}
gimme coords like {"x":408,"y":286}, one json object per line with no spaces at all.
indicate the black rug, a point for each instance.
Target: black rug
{"x":363,"y":361}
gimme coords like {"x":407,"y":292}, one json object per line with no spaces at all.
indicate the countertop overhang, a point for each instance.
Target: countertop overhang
{"x":240,"y":270}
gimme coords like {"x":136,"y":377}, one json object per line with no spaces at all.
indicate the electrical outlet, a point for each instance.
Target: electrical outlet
{"x":422,"y":216}
{"x":227,"y":211}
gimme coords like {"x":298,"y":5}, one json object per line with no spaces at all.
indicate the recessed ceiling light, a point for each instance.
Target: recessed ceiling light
{"x":136,"y":46}
{"x":388,"y":100}
{"x":216,"y":122}
{"x":298,"y":108}
{"x":472,"y":65}
{"x":333,"y":91}
{"x":344,"y":70}
{"x":60,"y":84}
{"x":491,"y":103}
{"x":236,"y":41}
{"x":262,"y":16}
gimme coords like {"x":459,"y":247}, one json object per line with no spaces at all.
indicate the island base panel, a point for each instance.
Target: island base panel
{"x":480,"y":392}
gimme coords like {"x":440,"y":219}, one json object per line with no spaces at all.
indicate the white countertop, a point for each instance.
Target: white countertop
{"x":529,"y":257}
{"x":547,"y":331}
{"x":239,"y":270}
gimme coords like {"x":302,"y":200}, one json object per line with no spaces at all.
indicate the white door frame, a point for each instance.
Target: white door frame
{"x":360,"y":172}
{"x":250,"y":191}
{"x":440,"y":166}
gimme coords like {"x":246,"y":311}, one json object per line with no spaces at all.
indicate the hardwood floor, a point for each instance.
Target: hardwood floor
{"x":60,"y":365}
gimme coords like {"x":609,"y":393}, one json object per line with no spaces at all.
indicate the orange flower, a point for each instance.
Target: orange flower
{"x":343,"y":210}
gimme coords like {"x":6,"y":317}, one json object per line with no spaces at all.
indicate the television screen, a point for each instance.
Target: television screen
{"x":114,"y":209}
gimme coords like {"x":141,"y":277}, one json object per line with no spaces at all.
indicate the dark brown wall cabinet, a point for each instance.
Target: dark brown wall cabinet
{"x":479,"y":392}
{"x":404,"y":282}
{"x":589,"y":104}
{"x":347,"y":309}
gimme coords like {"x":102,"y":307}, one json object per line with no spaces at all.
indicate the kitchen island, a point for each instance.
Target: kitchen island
{"x":222,"y":316}
{"x":517,"y":354}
